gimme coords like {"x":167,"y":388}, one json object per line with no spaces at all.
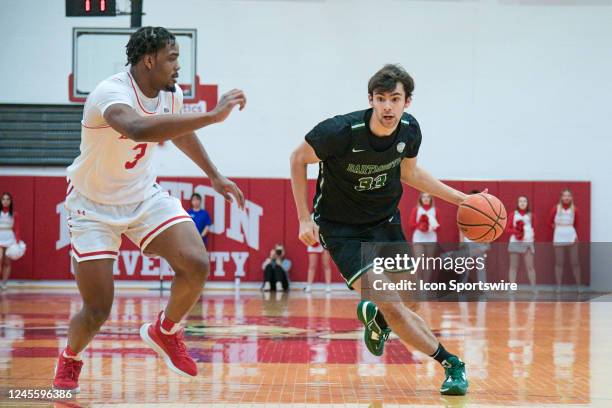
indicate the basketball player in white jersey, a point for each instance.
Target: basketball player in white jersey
{"x":112,"y":191}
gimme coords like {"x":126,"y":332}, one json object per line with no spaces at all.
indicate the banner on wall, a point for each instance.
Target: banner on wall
{"x":238,"y":243}
{"x":240,"y":240}
{"x":235,"y":236}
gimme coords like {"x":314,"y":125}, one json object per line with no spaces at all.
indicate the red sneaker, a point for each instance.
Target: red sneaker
{"x":67,"y":373}
{"x":170,"y":347}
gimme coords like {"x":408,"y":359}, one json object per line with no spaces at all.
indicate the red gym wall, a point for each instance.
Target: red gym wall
{"x":39,"y":201}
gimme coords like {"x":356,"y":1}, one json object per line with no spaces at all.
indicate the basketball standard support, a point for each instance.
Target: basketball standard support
{"x":136,"y":20}
{"x":161,"y":287}
{"x":161,"y":281}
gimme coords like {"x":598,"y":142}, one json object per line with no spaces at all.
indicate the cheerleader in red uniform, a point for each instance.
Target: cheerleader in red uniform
{"x":9,"y":235}
{"x":563,"y":220}
{"x":424,"y":224}
{"x":521,"y":227}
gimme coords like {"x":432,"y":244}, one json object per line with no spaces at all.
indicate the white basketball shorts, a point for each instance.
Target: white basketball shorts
{"x":95,"y":229}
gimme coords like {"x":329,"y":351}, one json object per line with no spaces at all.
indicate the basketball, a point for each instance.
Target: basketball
{"x":481,"y":218}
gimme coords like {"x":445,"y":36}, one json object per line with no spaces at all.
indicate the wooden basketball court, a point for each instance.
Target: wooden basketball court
{"x":268,"y":349}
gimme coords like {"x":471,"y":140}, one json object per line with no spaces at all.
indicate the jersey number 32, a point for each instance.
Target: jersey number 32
{"x":371,"y":183}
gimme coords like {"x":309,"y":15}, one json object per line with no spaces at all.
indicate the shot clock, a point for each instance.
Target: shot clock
{"x":90,"y":8}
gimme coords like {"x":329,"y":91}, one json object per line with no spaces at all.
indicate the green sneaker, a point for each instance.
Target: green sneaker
{"x":374,"y":336}
{"x":456,"y":382}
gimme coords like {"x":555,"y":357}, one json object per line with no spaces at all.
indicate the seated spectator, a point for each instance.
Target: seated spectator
{"x":276,"y":270}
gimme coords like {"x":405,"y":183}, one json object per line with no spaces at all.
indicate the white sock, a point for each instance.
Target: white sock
{"x":172,"y":330}
{"x":77,"y":357}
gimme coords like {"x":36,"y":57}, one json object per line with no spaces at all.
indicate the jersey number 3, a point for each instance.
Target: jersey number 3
{"x":371,"y":183}
{"x":142,"y":149}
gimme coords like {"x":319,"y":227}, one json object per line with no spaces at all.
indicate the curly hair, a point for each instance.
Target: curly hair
{"x":147,"y":40}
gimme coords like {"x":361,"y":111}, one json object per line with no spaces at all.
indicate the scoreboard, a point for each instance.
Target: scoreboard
{"x":91,"y":8}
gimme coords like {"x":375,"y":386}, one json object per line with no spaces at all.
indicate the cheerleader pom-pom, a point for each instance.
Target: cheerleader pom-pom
{"x":16,"y":251}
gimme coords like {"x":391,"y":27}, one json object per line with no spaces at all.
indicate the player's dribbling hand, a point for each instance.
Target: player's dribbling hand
{"x":309,"y":232}
{"x":227,"y":102}
{"x":229,"y":190}
{"x":465,"y":196}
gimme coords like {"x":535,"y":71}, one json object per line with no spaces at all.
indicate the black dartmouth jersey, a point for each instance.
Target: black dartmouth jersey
{"x":357,"y":184}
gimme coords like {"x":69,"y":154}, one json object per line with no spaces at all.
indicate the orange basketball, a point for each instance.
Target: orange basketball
{"x":482,"y":218}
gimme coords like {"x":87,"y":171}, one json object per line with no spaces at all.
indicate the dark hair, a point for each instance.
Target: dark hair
{"x":147,"y":40}
{"x":196,"y":195}
{"x":10,"y":206}
{"x":279,"y":248}
{"x":526,"y":198}
{"x":387,"y":78}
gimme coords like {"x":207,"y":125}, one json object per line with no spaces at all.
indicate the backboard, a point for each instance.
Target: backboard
{"x":98,"y":53}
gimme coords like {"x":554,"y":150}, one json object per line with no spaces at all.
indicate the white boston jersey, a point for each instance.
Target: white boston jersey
{"x":111,"y":168}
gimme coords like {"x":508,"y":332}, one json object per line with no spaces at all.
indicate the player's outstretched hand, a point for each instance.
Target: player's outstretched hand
{"x":309,"y":232}
{"x":229,"y":190}
{"x":227,"y":102}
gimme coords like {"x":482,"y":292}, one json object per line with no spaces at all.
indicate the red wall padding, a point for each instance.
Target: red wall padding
{"x":49,"y":262}
{"x":39,"y":201}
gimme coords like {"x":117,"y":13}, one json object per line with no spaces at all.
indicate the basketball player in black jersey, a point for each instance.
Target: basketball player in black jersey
{"x":363,"y":158}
